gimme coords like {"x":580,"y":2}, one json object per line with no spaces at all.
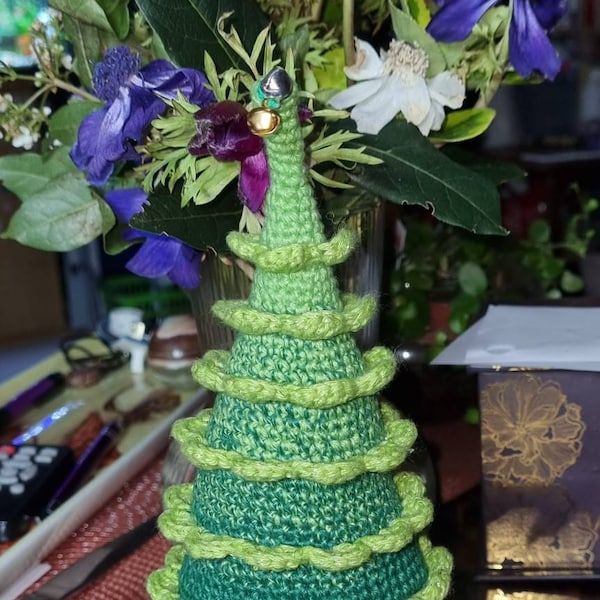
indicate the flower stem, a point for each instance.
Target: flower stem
{"x":59,"y":83}
{"x":41,"y":92}
{"x":348,"y":31}
{"x":317,"y":10}
{"x":488,"y":94}
{"x":68,"y":87}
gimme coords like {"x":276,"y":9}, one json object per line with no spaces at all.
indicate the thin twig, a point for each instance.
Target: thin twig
{"x":348,"y":31}
{"x":317,"y":10}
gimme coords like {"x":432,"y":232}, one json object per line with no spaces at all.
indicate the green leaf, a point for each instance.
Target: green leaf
{"x":187,"y":28}
{"x":202,"y":227}
{"x":464,"y":308}
{"x":63,"y":216}
{"x":571,"y":283}
{"x":472,"y":279}
{"x":117,"y":13}
{"x":64,"y":123}
{"x":513,"y":78}
{"x":211,"y":182}
{"x":113,"y":241}
{"x":27,"y":174}
{"x":108,"y":217}
{"x":497,"y":171}
{"x":87,"y":12}
{"x":539,"y":232}
{"x":89,"y":45}
{"x":111,"y":16}
{"x":332,"y":76}
{"x":464,"y":125}
{"x":418,"y":10}
{"x":408,"y":30}
{"x":414,"y":172}
{"x":453,"y":53}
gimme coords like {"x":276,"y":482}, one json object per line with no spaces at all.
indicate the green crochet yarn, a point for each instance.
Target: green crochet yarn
{"x":295,"y":496}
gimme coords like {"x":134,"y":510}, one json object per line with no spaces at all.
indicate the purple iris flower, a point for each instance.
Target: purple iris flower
{"x":133,"y":97}
{"x":223,"y":132}
{"x":159,"y":255}
{"x":529,"y":47}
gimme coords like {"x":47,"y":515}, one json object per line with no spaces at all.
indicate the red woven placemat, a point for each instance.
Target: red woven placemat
{"x":137,"y":501}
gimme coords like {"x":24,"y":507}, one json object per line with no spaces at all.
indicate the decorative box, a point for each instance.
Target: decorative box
{"x":539,"y":391}
{"x":540,"y":452}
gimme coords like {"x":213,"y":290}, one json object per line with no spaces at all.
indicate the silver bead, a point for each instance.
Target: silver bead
{"x":277,"y":84}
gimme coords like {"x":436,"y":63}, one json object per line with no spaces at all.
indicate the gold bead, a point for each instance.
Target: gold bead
{"x":263,"y":121}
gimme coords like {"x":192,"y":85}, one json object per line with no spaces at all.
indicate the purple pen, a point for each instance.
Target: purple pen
{"x":99,"y":447}
{"x":32,"y":396}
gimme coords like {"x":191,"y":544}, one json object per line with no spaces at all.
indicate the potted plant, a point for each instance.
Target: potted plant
{"x":444,"y":277}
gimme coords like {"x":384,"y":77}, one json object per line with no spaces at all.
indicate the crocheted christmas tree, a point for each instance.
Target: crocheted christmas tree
{"x":298,"y":493}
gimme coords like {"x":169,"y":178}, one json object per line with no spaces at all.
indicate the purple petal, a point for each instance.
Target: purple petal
{"x":165,"y":79}
{"x":455,"y":21}
{"x":126,"y":203}
{"x":84,"y":152}
{"x":196,"y":84}
{"x":145,"y":107}
{"x":254,"y":181}
{"x":304,"y":114}
{"x":100,"y":141}
{"x":223,"y":132}
{"x":186,"y":270}
{"x":154,"y":74}
{"x":156,"y":256}
{"x":530,"y":49}
{"x":110,"y":141}
{"x":549,"y":12}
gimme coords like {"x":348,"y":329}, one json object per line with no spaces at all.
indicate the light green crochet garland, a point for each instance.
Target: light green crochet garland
{"x":296,"y":426}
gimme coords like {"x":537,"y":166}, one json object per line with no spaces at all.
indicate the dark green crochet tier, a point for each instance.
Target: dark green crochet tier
{"x":297,"y":494}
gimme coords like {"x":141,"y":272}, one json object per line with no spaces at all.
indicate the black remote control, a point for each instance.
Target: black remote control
{"x":29,"y":475}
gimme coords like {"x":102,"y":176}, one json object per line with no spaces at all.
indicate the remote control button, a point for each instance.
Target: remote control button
{"x":48,"y":452}
{"x":3,"y":456}
{"x":16,"y":489}
{"x":8,"y":472}
{"x":42,"y":459}
{"x":28,"y":474}
{"x":8,"y":450}
{"x":27,"y":450}
{"x":8,"y":480}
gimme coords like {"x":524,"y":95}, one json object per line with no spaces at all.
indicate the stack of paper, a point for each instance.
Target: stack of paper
{"x":530,"y":336}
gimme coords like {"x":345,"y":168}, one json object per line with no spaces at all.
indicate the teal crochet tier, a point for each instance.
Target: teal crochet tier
{"x":296,"y":495}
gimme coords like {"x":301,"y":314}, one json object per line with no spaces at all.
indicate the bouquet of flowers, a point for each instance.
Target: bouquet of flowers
{"x":158,"y":143}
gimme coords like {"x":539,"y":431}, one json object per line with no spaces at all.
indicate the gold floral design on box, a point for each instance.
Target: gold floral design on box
{"x":512,"y":538}
{"x":500,"y":595}
{"x":531,"y":433}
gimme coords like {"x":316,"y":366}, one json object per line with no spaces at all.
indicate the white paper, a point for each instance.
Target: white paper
{"x":565,"y":338}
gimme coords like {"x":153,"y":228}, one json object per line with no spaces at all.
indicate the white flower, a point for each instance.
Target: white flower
{"x":397,"y":82}
{"x":67,"y":62}
{"x":5,"y":101}
{"x":25,"y":139}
